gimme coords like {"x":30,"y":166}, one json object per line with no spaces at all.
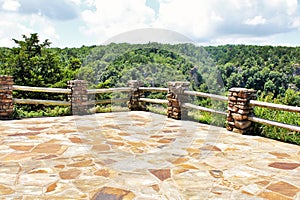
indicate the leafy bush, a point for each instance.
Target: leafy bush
{"x":280,"y":116}
{"x":49,"y":111}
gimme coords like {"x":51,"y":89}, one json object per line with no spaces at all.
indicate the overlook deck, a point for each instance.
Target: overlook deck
{"x":141,"y":155}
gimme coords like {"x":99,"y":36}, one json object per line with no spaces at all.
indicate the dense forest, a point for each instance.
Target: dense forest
{"x":274,"y":71}
{"x":215,"y":69}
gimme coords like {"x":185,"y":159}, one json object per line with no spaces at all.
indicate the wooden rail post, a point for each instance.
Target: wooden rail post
{"x":176,"y":98}
{"x":78,"y":96}
{"x":239,"y":110}
{"x":134,"y":103}
{"x":6,"y":99}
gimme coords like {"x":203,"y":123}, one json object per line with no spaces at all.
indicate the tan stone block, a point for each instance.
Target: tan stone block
{"x":84,"y":163}
{"x":244,"y":112}
{"x":239,"y":117}
{"x":284,"y":188}
{"x":101,"y":147}
{"x":233,"y":99}
{"x":242,"y":124}
{"x":69,"y":174}
{"x":272,"y":196}
{"x":176,"y":110}
{"x":238,"y":131}
{"x":5,"y":190}
{"x":113,"y":193}
{"x":49,"y":147}
{"x":161,"y":174}
{"x":233,"y":108}
{"x":18,"y":156}
{"x":21,"y":147}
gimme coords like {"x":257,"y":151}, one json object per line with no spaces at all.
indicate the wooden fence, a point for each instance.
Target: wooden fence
{"x":67,"y":92}
{"x":42,"y":89}
{"x":174,"y":97}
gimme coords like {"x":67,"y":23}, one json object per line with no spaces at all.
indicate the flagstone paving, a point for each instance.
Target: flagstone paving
{"x":143,"y":156}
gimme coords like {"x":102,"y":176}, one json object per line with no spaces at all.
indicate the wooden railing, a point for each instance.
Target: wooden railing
{"x":67,"y":92}
{"x":252,"y":103}
{"x":153,"y":89}
{"x":42,"y":89}
{"x":274,"y":107}
{"x":108,"y":90}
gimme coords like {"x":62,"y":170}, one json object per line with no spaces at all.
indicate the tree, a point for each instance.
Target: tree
{"x":297,"y":82}
{"x":32,"y":64}
{"x":269,"y":86}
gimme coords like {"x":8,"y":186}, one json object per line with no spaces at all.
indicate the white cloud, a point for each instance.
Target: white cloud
{"x":14,"y":26}
{"x":208,"y":20}
{"x":296,"y":23}
{"x":11,"y":5}
{"x":205,"y":21}
{"x":116,"y":16}
{"x":76,"y":2}
{"x":202,"y":21}
{"x":44,"y":26}
{"x":257,"y":20}
{"x":191,"y":18}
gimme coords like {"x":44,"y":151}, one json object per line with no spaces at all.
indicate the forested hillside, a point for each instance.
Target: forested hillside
{"x":266,"y":69}
{"x":273,"y":71}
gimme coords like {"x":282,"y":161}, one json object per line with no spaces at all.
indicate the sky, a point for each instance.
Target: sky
{"x":74,"y":23}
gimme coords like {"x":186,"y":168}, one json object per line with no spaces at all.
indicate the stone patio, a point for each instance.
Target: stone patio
{"x":141,"y":155}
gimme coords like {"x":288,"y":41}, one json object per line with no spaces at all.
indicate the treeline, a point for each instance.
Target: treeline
{"x":215,"y":69}
{"x":273,"y":71}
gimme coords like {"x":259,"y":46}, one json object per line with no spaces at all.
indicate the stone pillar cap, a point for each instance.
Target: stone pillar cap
{"x":135,"y":83}
{"x":237,"y":89}
{"x":176,"y":83}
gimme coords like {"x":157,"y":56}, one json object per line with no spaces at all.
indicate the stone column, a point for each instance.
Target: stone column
{"x":239,"y":110}
{"x":134,"y":103}
{"x":6,"y":97}
{"x":176,"y":98}
{"x":78,"y":97}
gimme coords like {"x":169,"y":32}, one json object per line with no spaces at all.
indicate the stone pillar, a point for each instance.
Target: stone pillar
{"x":176,"y":98}
{"x":6,"y":97}
{"x":239,"y":110}
{"x":78,"y":97}
{"x":134,"y":103}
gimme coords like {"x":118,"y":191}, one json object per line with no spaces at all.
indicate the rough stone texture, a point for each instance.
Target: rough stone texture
{"x":161,"y":174}
{"x":78,"y":97}
{"x":134,"y":104}
{"x":176,"y":98}
{"x":161,"y":158}
{"x":109,"y":193}
{"x":239,"y":110}
{"x":6,"y":99}
{"x":286,"y":166}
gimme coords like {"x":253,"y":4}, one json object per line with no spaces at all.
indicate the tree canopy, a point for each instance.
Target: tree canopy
{"x":213,"y":69}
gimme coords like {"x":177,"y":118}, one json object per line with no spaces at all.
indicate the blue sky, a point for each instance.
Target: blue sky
{"x":73,"y":23}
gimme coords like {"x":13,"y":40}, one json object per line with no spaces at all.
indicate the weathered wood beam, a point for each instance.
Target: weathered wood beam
{"x":41,"y":89}
{"x":202,"y":94}
{"x":44,"y":102}
{"x":273,"y":123}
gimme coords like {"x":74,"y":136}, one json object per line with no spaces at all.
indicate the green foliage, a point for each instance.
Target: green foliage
{"x":272,"y":71}
{"x":50,"y":111}
{"x":32,"y":64}
{"x":263,"y":68}
{"x":280,"y":116}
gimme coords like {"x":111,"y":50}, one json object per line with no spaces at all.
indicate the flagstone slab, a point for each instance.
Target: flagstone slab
{"x":141,"y":155}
